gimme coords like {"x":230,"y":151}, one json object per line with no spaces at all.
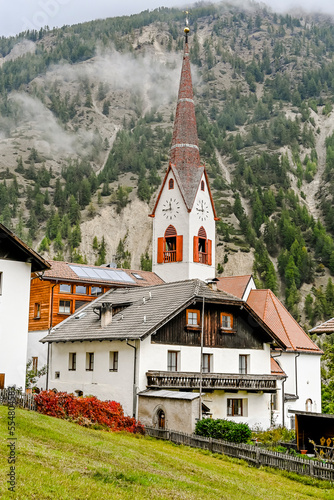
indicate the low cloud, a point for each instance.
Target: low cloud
{"x":155,"y":79}
{"x":51,"y":136}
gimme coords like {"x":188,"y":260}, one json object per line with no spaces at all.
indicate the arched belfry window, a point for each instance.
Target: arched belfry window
{"x":170,"y":247}
{"x":202,"y":248}
{"x":308,"y":404}
{"x":202,"y":186}
{"x":171,"y":184}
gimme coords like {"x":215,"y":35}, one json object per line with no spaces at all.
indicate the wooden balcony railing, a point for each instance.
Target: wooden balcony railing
{"x":170,"y":256}
{"x":203,"y":258}
{"x":211,"y":381}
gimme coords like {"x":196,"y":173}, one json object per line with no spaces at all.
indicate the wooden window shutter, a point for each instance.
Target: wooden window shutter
{"x":160,"y":257}
{"x":2,"y":380}
{"x":179,"y":248}
{"x":210,"y":252}
{"x":196,"y":256}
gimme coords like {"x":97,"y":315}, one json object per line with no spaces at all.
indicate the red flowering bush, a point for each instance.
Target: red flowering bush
{"x":88,"y":411}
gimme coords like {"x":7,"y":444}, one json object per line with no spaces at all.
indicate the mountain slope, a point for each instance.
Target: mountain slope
{"x":86,"y":119}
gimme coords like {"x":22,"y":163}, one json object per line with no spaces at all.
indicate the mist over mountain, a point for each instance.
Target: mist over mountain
{"x":86,"y":117}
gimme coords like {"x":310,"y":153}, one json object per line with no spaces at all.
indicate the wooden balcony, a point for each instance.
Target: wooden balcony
{"x":212,"y":381}
{"x":202,"y":258}
{"x":170,"y":256}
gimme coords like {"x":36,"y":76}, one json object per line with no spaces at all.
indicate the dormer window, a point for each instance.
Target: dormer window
{"x":202,"y":186}
{"x":193,"y":318}
{"x":170,"y":247}
{"x":202,"y":248}
{"x":226,"y":321}
{"x":171,"y":184}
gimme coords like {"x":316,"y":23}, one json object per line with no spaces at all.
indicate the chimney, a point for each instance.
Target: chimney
{"x":106,"y":314}
{"x":212,"y":283}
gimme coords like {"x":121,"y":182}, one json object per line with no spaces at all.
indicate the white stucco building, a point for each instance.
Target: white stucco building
{"x":17,"y":262}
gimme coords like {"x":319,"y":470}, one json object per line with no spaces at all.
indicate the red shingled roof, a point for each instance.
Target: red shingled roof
{"x":62,"y":271}
{"x":275,"y":368}
{"x":280,"y":321}
{"x":236,"y":285}
{"x":327,"y":327}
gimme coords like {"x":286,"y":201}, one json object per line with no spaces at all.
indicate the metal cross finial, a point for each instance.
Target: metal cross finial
{"x":186,"y":29}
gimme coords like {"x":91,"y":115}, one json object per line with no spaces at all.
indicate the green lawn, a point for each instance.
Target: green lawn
{"x":60,"y":460}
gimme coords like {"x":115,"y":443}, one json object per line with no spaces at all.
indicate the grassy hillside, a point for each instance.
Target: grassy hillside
{"x":60,"y":460}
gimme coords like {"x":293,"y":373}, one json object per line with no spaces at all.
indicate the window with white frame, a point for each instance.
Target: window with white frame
{"x":72,"y":361}
{"x":65,"y":307}
{"x":207,"y":363}
{"x":89,"y":361}
{"x":173,"y":360}
{"x":243,"y":364}
{"x":35,"y":364}
{"x":113,"y":361}
{"x":274,"y":402}
{"x":235,"y":407}
{"x":226,"y":321}
{"x":193,"y":318}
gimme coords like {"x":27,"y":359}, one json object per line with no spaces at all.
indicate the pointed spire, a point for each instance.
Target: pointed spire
{"x":184,"y":150}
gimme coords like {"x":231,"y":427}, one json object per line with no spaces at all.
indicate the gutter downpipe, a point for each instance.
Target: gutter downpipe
{"x":50,"y":328}
{"x":283,"y":402}
{"x":201,"y":365}
{"x":296,"y":373}
{"x":134,"y":402}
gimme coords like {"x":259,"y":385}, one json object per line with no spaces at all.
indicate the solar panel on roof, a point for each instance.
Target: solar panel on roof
{"x":125,"y":277}
{"x":79,"y":271}
{"x":101,"y":274}
{"x":91,"y":272}
{"x":113,"y":276}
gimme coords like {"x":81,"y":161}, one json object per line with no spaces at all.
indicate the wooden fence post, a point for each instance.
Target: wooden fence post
{"x":258,"y":456}
{"x":311,"y":468}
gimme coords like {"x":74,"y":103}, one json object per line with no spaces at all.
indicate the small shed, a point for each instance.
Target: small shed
{"x":313,"y":426}
{"x":169,"y":409}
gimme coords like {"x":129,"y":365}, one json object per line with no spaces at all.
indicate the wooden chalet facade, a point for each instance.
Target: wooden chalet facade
{"x":65,"y":288}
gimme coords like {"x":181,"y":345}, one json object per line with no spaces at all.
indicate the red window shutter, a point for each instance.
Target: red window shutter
{"x":196,"y":256}
{"x":179,"y":248}
{"x":210,"y":252}
{"x":160,"y":257}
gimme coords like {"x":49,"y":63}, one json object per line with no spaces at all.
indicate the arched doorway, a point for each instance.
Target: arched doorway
{"x":161,"y":419}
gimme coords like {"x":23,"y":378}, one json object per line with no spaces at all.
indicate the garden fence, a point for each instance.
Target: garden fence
{"x":253,"y":454}
{"x":22,"y":400}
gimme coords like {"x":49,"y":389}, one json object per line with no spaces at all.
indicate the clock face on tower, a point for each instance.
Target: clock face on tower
{"x":170,"y":208}
{"x":202,"y":210}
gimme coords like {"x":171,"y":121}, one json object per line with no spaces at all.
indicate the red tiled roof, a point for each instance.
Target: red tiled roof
{"x":275,"y":368}
{"x":326,"y":327}
{"x":62,"y":271}
{"x":280,"y":321}
{"x":236,"y":285}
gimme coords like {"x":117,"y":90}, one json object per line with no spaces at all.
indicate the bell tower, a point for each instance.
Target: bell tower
{"x":184,"y":214}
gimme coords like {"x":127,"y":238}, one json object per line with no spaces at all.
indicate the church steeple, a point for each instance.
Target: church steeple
{"x":184,"y":213}
{"x":185,"y":150}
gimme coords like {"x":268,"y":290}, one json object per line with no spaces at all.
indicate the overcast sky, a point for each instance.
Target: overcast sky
{"x":19,"y":15}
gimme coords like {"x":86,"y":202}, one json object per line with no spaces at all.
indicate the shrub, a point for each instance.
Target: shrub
{"x":89,"y":411}
{"x":223,"y":429}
